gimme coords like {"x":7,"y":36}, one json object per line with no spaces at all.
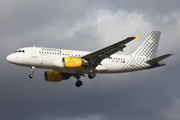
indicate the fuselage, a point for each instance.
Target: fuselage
{"x":44,"y":58}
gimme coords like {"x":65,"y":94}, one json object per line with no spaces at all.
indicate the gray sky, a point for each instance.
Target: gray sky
{"x":89,"y":25}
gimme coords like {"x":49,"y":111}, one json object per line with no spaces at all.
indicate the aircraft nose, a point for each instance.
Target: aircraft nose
{"x":14,"y":59}
{"x":10,"y":58}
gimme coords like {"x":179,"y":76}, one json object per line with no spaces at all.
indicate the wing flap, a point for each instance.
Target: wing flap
{"x":158,"y":59}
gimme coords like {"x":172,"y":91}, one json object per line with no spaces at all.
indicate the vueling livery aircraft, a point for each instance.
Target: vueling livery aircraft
{"x":68,"y":63}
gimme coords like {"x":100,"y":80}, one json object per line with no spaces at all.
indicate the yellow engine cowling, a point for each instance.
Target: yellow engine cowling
{"x":53,"y":76}
{"x":71,"y":62}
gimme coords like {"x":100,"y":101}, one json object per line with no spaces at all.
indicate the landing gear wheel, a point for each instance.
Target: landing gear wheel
{"x":31,"y":75}
{"x":91,"y":75}
{"x":32,"y":72}
{"x":79,"y":83}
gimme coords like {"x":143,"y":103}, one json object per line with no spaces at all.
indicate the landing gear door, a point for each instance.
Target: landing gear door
{"x":34,"y":52}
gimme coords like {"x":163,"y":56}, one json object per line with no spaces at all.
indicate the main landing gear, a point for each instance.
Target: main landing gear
{"x":91,"y":75}
{"x":79,"y":83}
{"x":32,"y":72}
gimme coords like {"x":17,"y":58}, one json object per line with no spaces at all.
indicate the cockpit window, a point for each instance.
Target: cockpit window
{"x":19,"y":51}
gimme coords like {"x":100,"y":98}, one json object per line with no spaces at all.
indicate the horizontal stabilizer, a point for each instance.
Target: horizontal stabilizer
{"x":158,"y":59}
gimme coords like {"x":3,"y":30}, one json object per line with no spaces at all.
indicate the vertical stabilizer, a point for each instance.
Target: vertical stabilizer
{"x":149,"y":47}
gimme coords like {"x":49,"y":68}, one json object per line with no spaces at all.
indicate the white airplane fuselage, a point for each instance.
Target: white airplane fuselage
{"x":45,"y":57}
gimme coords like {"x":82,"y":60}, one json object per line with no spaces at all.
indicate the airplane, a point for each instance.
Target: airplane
{"x":65,"y":63}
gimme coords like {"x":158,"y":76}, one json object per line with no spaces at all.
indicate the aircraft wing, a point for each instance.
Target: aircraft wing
{"x":158,"y":59}
{"x":96,"y":57}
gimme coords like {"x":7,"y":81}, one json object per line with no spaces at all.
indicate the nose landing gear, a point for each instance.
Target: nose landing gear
{"x":31,"y":75}
{"x":32,"y":72}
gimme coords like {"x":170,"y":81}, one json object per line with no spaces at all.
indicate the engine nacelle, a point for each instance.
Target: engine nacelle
{"x":59,"y":63}
{"x":71,"y":62}
{"x":53,"y":76}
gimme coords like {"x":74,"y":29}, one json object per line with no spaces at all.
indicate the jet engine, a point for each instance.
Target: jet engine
{"x":53,"y":76}
{"x":71,"y":62}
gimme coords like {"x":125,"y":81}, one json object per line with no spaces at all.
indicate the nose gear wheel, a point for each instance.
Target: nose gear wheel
{"x":32,"y":72}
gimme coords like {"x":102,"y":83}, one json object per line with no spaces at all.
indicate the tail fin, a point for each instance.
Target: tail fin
{"x":148,"y":48}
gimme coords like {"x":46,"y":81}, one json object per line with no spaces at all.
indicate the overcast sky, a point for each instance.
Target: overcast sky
{"x":89,"y":25}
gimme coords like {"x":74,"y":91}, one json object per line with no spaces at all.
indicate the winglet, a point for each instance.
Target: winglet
{"x":137,"y":36}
